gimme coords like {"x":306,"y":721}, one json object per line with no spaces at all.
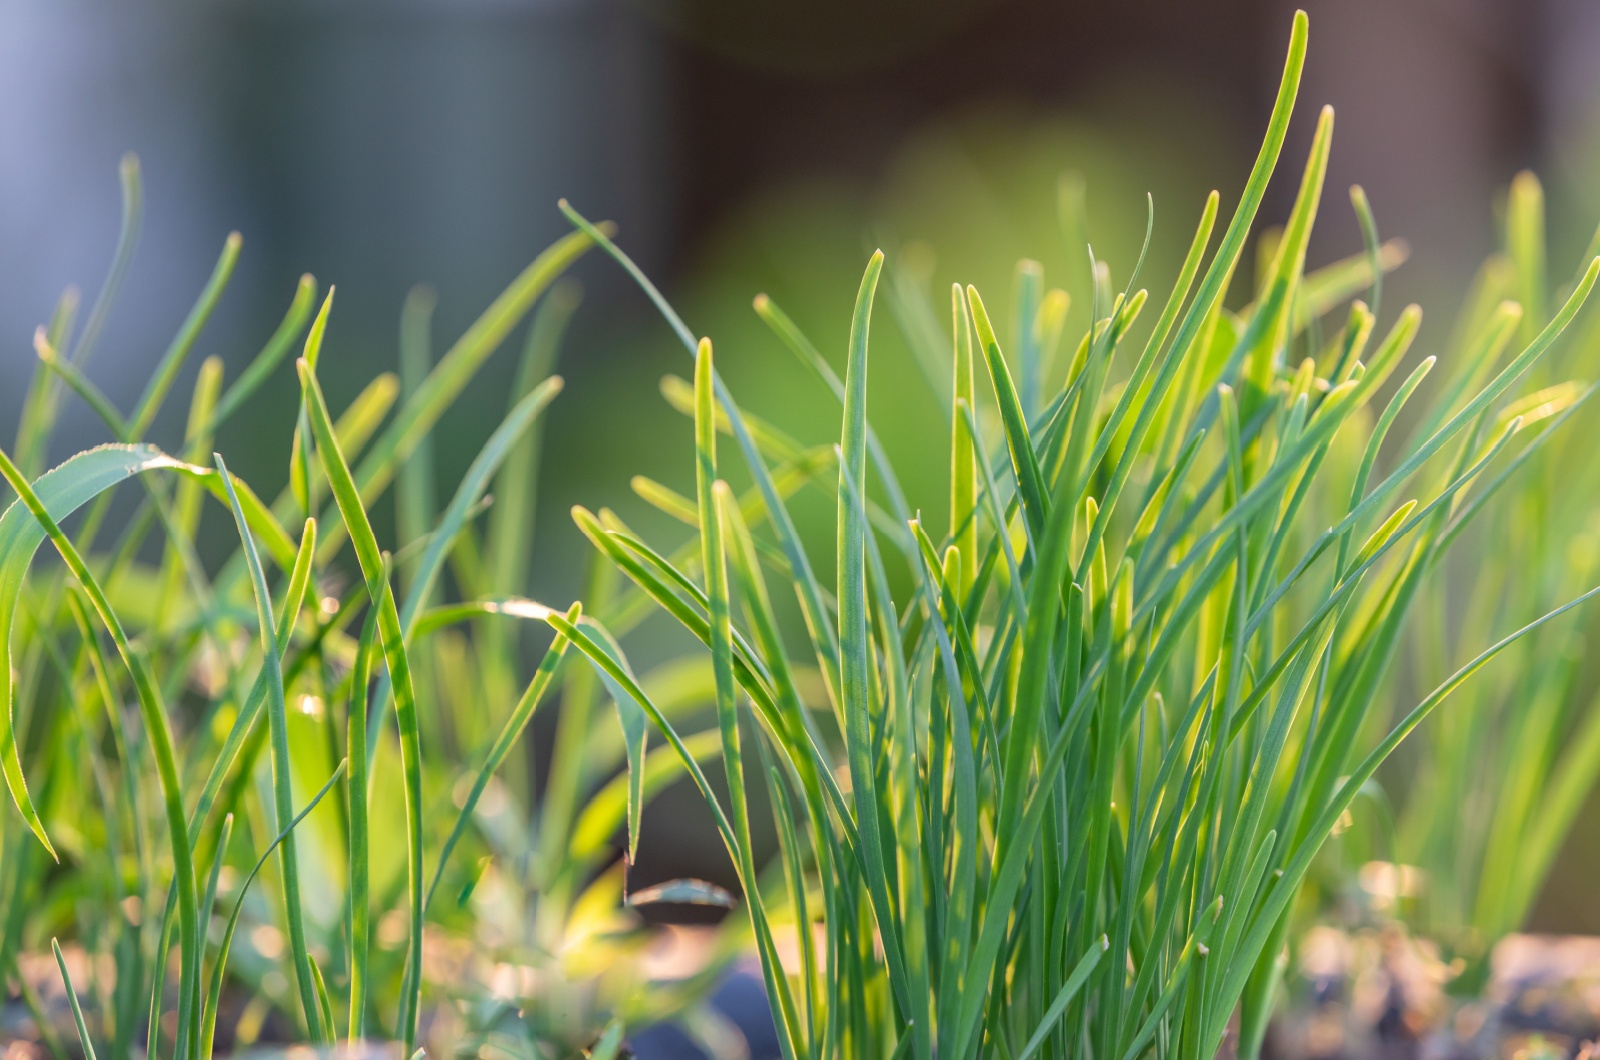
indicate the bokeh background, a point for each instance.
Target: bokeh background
{"x":741,"y":147}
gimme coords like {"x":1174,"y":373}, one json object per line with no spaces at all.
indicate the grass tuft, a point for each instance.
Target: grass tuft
{"x":1072,"y":762}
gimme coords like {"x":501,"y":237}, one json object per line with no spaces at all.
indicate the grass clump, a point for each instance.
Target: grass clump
{"x":280,"y":798}
{"x":1058,"y":796}
{"x":1501,"y":776}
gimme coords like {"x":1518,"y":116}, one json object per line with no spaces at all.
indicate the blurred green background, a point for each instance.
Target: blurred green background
{"x":741,"y":148}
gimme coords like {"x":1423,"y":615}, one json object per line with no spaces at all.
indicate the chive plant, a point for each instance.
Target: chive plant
{"x":1502,"y":775}
{"x":1059,"y":796}
{"x":168,"y":726}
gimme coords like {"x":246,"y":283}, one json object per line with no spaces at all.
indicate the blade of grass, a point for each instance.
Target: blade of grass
{"x":72,"y":999}
{"x":392,"y":637}
{"x":144,"y":413}
{"x":282,"y":785}
{"x":360,"y":852}
{"x":510,"y":732}
{"x":81,"y":482}
{"x":218,"y":970}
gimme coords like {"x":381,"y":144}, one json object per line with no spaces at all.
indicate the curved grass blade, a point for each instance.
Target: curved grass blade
{"x":39,"y":411}
{"x":62,"y":491}
{"x":79,"y":384}
{"x":682,"y":892}
{"x":471,"y":488}
{"x":607,"y":809}
{"x":373,"y":569}
{"x":803,"y":349}
{"x":1220,"y":271}
{"x":457,"y":367}
{"x":1024,"y":460}
{"x":86,"y":480}
{"x":299,"y":582}
{"x":155,"y":392}
{"x":324,"y":1006}
{"x":813,"y":608}
{"x":218,"y":970}
{"x":511,"y":520}
{"x":1374,"y":249}
{"x":510,"y":732}
{"x":1139,"y":378}
{"x":128,"y":172}
{"x":280,"y":343}
{"x":282,"y":784}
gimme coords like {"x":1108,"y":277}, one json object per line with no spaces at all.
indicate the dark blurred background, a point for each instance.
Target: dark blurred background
{"x":740,"y":146}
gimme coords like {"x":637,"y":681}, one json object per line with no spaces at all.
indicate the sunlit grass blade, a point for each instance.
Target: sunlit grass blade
{"x":802,"y":348}
{"x":512,"y":518}
{"x":86,"y":479}
{"x":822,"y":631}
{"x":854,"y":633}
{"x":510,"y":732}
{"x":1525,"y":229}
{"x":61,"y":492}
{"x":75,"y":381}
{"x":166,"y":373}
{"x":294,"y":322}
{"x":1024,"y":460}
{"x":415,"y":502}
{"x":39,"y":409}
{"x":360,"y":843}
{"x":300,"y":573}
{"x":715,"y":503}
{"x":282,"y":786}
{"x":219,"y":969}
{"x":392,"y":637}
{"x":460,"y":363}
{"x":462,"y":505}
